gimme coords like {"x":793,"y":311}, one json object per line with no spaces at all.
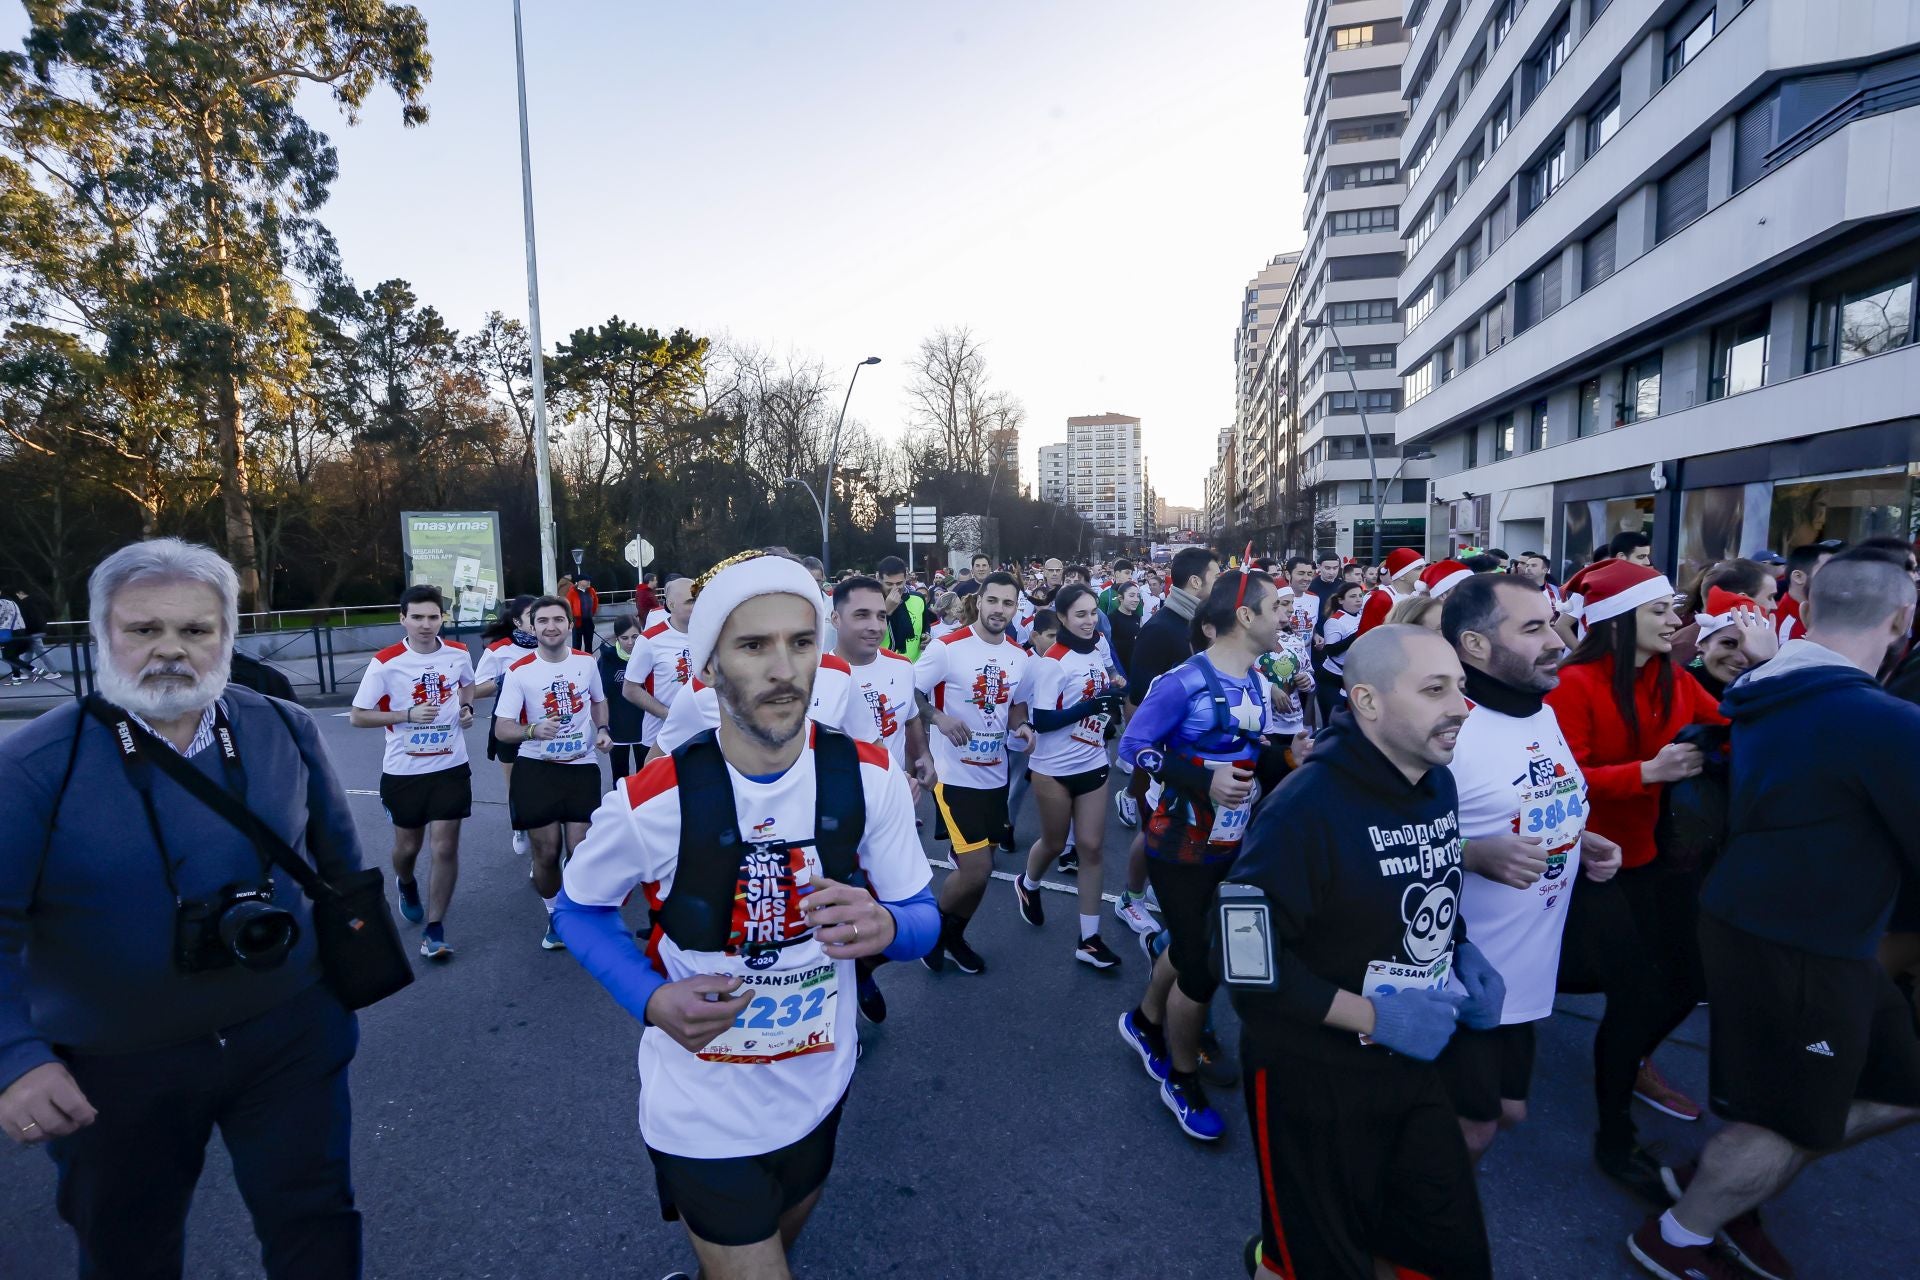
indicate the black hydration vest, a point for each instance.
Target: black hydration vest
{"x":698,"y":914}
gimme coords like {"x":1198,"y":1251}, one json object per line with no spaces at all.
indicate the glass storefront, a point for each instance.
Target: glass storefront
{"x":1722,"y":523}
{"x":1593,"y":524}
{"x":1847,"y":507}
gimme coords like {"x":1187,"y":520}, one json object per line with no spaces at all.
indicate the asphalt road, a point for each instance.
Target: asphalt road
{"x":998,"y":1126}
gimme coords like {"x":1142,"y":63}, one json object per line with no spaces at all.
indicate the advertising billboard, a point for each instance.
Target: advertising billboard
{"x":458,"y":552}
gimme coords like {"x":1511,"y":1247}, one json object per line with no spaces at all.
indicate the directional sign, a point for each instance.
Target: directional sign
{"x":916,"y":525}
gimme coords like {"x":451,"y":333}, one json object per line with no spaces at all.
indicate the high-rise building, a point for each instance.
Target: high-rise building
{"x":1104,"y":472}
{"x":1219,"y":496}
{"x":1662,"y":267}
{"x":1056,"y":460}
{"x":1256,"y":442}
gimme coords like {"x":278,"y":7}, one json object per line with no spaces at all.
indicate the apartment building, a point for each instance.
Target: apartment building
{"x":1055,"y":462}
{"x":1257,"y":441}
{"x":1662,"y":259}
{"x":1105,"y":481}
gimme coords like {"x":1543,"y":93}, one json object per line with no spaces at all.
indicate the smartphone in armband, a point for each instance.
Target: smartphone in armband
{"x":1246,"y":938}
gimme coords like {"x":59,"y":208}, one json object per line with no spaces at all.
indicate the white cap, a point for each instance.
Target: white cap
{"x":732,"y":583}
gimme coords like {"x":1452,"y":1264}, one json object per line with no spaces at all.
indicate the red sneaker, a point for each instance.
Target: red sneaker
{"x":1652,"y":1088}
{"x":1677,"y":1262}
{"x":1743,"y":1237}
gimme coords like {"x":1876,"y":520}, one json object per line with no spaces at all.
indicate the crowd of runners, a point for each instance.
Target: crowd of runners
{"x":1394,"y":810}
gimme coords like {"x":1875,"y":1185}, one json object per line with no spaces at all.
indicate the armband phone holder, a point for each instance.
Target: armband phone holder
{"x":1246,"y":938}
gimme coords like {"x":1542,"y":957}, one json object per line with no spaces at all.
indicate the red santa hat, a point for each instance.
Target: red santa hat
{"x":1615,"y":587}
{"x":1441,"y":577}
{"x":1722,"y":608}
{"x":1402,"y":561}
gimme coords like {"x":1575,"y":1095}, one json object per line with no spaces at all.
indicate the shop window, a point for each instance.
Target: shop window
{"x":1586,"y":525}
{"x":1848,"y":507}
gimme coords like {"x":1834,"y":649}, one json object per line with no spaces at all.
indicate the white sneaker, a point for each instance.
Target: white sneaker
{"x":1132,"y":912}
{"x":523,"y":844}
{"x":1129,"y":809}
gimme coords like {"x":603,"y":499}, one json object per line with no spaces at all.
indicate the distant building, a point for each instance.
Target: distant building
{"x":1055,"y":461}
{"x":1106,"y":482}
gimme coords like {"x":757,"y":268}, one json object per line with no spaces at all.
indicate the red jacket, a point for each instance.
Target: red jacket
{"x":573,"y":601}
{"x":1380,"y":602}
{"x":1620,"y":806}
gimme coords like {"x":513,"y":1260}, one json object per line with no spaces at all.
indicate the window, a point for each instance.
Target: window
{"x":1421,"y":156}
{"x":1423,"y":228}
{"x":1499,"y":223}
{"x":1369,"y":402}
{"x":1413,"y":491}
{"x":1496,"y":324}
{"x":1354,"y":222}
{"x":1537,"y":426}
{"x":1859,"y":322}
{"x":1739,"y":356}
{"x":1505,"y":437}
{"x":1540,"y":295}
{"x":1368,"y":130}
{"x":1752,"y":139}
{"x":1603,"y":121}
{"x":1418,"y":383}
{"x":1469,"y":346}
{"x":1373,"y":311}
{"x":1687,"y":37}
{"x":1362,"y":175}
{"x":1422,"y":306}
{"x":1640,"y":389}
{"x":1503,"y":15}
{"x":1551,"y":57}
{"x":1544,"y":179}
{"x":1682,"y":196}
{"x":1473,"y":447}
{"x":1476,"y":161}
{"x":1596,"y":259}
{"x":1353,"y":37}
{"x":1502,"y":121}
{"x":1589,"y":423}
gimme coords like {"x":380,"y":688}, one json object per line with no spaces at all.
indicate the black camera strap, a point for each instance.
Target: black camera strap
{"x":131,"y":737}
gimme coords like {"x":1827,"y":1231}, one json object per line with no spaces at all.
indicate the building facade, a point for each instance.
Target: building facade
{"x":1662,"y":264}
{"x":1055,"y":462}
{"x":1256,"y":438}
{"x":1105,"y":476}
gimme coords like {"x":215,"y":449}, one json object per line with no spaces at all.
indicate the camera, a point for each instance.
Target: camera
{"x":238,"y":925}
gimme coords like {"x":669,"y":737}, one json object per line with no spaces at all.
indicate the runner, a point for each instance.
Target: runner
{"x":970,"y":689}
{"x":509,"y":638}
{"x":1341,"y":629}
{"x":1045,"y":631}
{"x":660,"y":667}
{"x":1523,"y":808}
{"x":1073,"y":692}
{"x":553,"y":705}
{"x":421,"y":692}
{"x":749,"y":1040}
{"x":1402,"y":569}
{"x":626,"y":722}
{"x":1199,"y":736}
{"x":1356,"y":861}
{"x":1802,"y":564}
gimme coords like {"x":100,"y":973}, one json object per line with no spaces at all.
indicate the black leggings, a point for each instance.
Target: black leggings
{"x":627,"y":758}
{"x":13,"y":651}
{"x":1633,"y":938}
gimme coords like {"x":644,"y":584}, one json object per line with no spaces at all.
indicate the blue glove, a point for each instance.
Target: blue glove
{"x":1417,"y":1023}
{"x":1486,"y":989}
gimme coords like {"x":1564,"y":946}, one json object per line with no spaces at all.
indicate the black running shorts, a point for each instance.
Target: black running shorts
{"x":543,"y":792}
{"x":975,"y":818}
{"x":505,"y":752}
{"x":1079,"y":784}
{"x":1186,"y":891}
{"x":415,"y":799}
{"x":1797,"y":1038}
{"x":739,"y":1201}
{"x":1358,"y":1161}
{"x":1482,"y":1068}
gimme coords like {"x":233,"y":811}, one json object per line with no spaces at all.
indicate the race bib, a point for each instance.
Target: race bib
{"x":570,"y":745}
{"x":984,"y":746}
{"x":1231,"y":824}
{"x":791,"y":1015}
{"x":1091,"y":731}
{"x":428,"y":739}
{"x":1391,"y":975}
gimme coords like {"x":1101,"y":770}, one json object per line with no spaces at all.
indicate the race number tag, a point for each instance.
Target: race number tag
{"x":570,"y":745}
{"x":1091,"y":731}
{"x":429,"y":739}
{"x":791,"y":1015}
{"x":1231,"y":824}
{"x":984,"y":746}
{"x":1391,"y":975}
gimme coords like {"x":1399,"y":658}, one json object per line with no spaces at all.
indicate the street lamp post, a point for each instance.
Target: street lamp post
{"x":825,"y":502}
{"x":822,"y":511}
{"x":543,"y":482}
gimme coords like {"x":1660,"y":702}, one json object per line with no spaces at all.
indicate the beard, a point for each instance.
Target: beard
{"x":769,"y":736}
{"x":1510,"y":669}
{"x":152,"y":699}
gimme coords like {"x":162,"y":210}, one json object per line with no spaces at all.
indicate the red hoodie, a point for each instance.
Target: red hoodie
{"x":1623,"y":808}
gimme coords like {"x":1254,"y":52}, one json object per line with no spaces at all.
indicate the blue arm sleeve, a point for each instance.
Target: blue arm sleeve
{"x":916,"y":926}
{"x":1159,"y":714}
{"x":1046,"y":719}
{"x":600,"y":941}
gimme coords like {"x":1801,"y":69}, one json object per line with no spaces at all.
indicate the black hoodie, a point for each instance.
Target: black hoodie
{"x":1361,"y":867}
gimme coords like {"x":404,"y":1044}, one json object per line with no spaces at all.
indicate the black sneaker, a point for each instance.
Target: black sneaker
{"x":1216,"y":1064}
{"x":1007,"y":845}
{"x":1069,"y":863}
{"x":1633,"y":1167}
{"x":1030,"y":909}
{"x":1096,"y":952}
{"x":873,"y":1004}
{"x":936,"y":959}
{"x":965,"y":957}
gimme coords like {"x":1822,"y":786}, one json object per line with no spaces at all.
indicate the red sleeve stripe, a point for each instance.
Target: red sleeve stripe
{"x":954,"y":637}
{"x":834,"y":662}
{"x":501,"y":643}
{"x":1059,"y":652}
{"x":656,"y":779}
{"x":391,"y":652}
{"x":522,"y":662}
{"x":888,"y":653}
{"x":653,"y":630}
{"x":874,"y":754}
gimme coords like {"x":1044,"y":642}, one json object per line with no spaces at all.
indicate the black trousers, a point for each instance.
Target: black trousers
{"x":583,"y":636}
{"x":1634,"y":938}
{"x":276,"y":1087}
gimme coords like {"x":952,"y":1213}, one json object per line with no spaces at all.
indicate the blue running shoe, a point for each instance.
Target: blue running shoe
{"x":410,"y":903}
{"x":1188,"y":1102}
{"x":1154,"y":1060}
{"x":552,"y":940}
{"x":435,"y":948}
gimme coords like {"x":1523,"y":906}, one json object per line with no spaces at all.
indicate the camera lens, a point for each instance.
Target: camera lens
{"x":258,"y":933}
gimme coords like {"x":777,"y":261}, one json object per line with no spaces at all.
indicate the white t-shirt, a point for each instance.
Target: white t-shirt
{"x":1518,"y":774}
{"x":884,"y":687}
{"x":1023,"y":612}
{"x":1055,"y":681}
{"x":978,"y":682}
{"x":746,"y":1095}
{"x":662,"y":664}
{"x":1306,"y":612}
{"x":699,"y":708}
{"x":398,"y":677}
{"x":1290,"y":715}
{"x":1150,"y":604}
{"x":535,"y":689}
{"x":495,"y":660}
{"x":655,"y":617}
{"x":1340,"y":625}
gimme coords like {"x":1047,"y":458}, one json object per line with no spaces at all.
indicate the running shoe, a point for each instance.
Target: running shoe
{"x":1632,"y":1166}
{"x":1096,"y":952}
{"x":1069,"y":863}
{"x":551,"y":942}
{"x":873,"y":1004}
{"x":1652,"y":1088}
{"x":1129,"y":809}
{"x":1216,"y":1064}
{"x":1029,"y":903}
{"x":1677,"y":1262}
{"x":1190,"y":1107}
{"x":1131,"y":909}
{"x":1152,"y":1057}
{"x":936,"y":959}
{"x":1743,"y":1237}
{"x":965,"y":957}
{"x":523,"y":844}
{"x":1249,"y":1256}
{"x":410,"y":903}
{"x":1150,"y":944}
{"x":1007,"y":845}
{"x":436,"y":948}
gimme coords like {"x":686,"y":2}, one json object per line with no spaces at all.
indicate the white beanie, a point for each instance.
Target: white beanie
{"x":732,"y":583}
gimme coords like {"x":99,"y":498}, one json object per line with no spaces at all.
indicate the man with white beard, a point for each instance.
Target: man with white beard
{"x":142,"y":934}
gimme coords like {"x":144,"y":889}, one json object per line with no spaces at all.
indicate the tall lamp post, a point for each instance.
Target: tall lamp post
{"x":542,"y":480}
{"x":825,"y":500}
{"x":820,"y":510}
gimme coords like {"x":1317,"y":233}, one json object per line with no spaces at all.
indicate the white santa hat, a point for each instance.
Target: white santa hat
{"x":732,"y":583}
{"x":1615,"y":587}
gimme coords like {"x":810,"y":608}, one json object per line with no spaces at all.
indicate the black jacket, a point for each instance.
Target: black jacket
{"x":1360,"y":866}
{"x":1163,"y":643}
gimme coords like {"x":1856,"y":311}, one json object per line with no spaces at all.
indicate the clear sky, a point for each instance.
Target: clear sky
{"x":1087,"y":184}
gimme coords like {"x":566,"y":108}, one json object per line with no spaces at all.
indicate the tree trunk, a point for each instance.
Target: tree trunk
{"x":229,"y":418}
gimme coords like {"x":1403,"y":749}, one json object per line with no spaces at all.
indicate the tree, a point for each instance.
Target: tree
{"x":956,"y":419}
{"x":170,"y":132}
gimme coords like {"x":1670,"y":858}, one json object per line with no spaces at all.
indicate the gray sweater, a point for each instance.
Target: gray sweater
{"x":86,"y":935}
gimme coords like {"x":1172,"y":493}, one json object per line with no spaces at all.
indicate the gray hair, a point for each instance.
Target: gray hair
{"x":161,"y":560}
